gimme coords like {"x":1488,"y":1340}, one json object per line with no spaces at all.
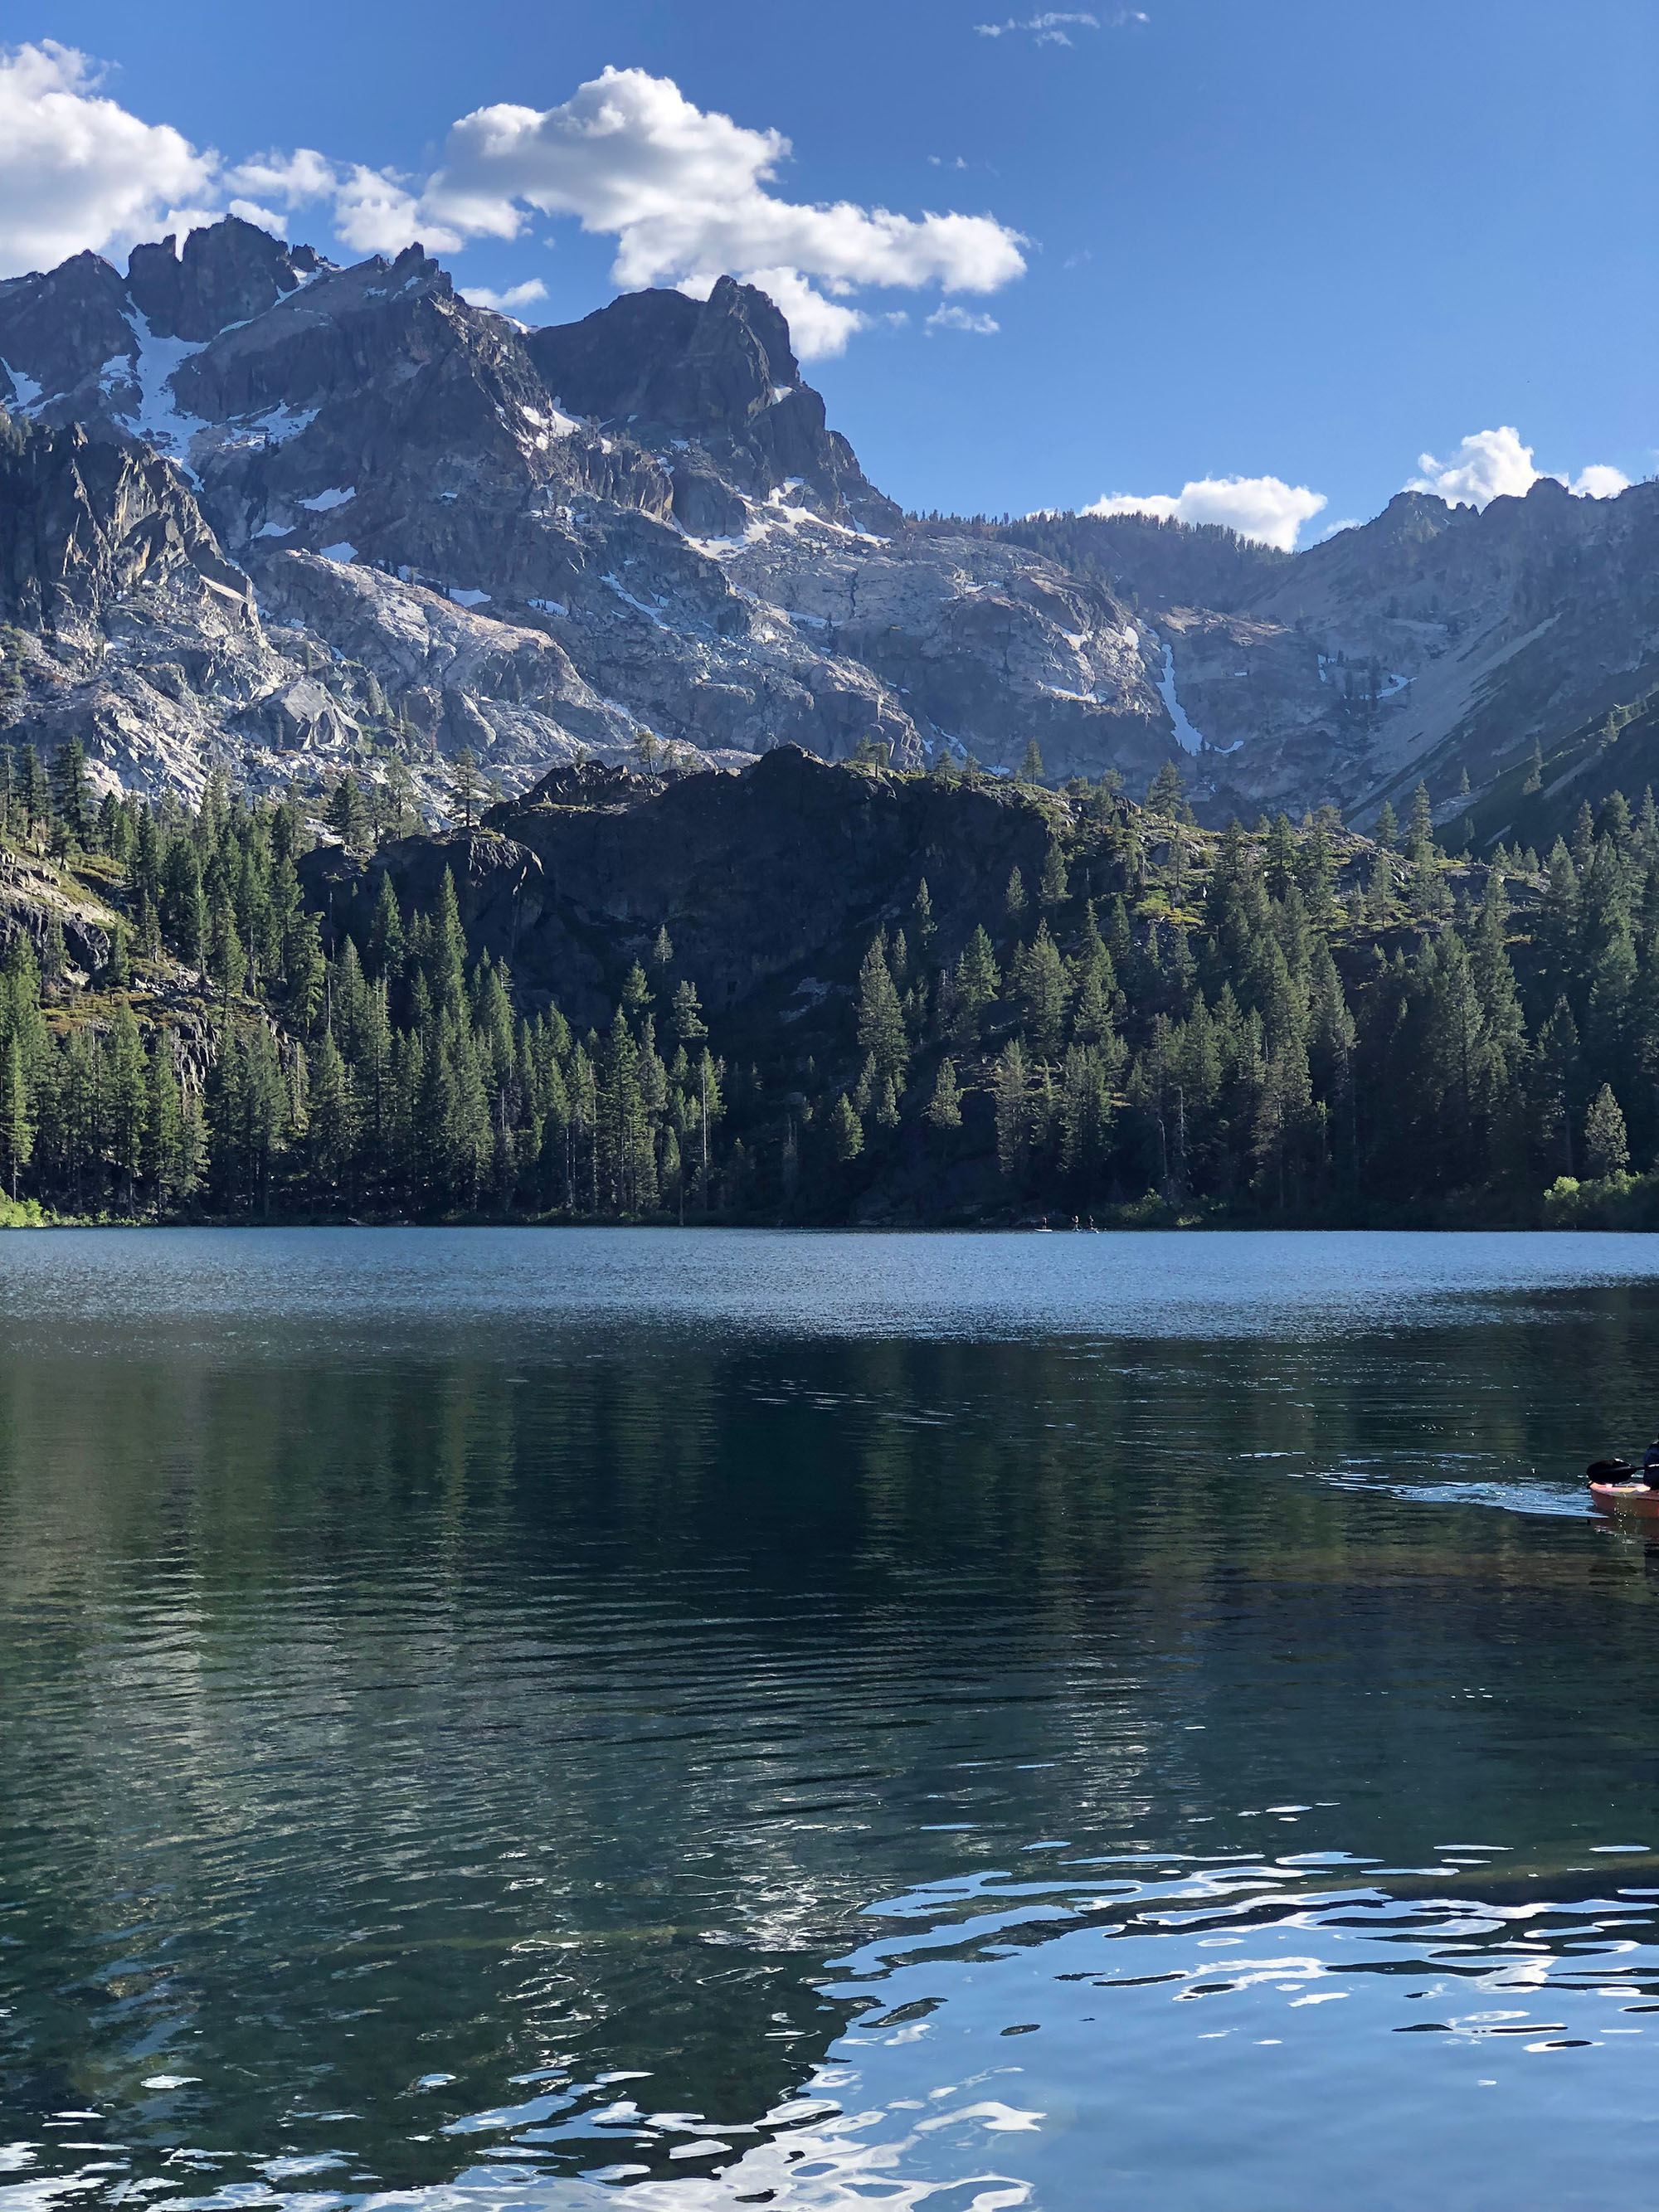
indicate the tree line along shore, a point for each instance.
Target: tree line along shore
{"x":1151,"y":1023}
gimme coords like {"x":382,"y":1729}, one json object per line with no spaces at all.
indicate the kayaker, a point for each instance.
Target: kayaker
{"x":1650,"y":1466}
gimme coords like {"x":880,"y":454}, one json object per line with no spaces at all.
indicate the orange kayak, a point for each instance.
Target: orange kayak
{"x":1623,"y":1497}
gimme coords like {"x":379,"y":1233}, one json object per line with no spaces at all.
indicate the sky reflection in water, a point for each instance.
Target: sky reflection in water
{"x":960,"y":1721}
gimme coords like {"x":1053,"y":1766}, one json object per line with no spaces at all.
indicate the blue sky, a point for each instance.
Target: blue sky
{"x":1298,"y":241}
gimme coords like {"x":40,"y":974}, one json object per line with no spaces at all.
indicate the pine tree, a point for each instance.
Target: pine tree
{"x":386,"y":934}
{"x":1168,"y":793}
{"x":465,"y":787}
{"x":1008,"y":1087}
{"x":1054,"y":890}
{"x":349,"y":815}
{"x":1606,"y":1150}
{"x":976,"y":983}
{"x":71,"y":796}
{"x":1043,"y":991}
{"x":446,"y":960}
{"x":881,"y":1018}
{"x":1030,"y":766}
{"x":1280,"y":871}
{"x":126,"y":1103}
{"x":183,"y":910}
{"x":846,"y":1130}
{"x":330,"y":1136}
{"x":685,"y":1019}
{"x":922,"y":913}
{"x":118,"y":971}
{"x":168,"y":1155}
{"x":1014,"y":899}
{"x":943,"y":1108}
{"x":1419,"y":837}
{"x":17,"y":1126}
{"x":1387,"y":832}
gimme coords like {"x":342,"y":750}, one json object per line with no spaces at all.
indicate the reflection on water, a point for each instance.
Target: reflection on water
{"x":1140,"y":1721}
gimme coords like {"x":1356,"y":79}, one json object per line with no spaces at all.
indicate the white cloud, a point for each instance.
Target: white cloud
{"x":1053,"y":28}
{"x":1049,"y":29}
{"x":684,"y":192}
{"x":1493,"y":464}
{"x":375,"y":212}
{"x":263,"y":218}
{"x":819,"y":327}
{"x":959,"y":318}
{"x":289,"y":179}
{"x":75,"y":169}
{"x":517,"y":295}
{"x":1266,"y":508}
{"x":1598,"y":480}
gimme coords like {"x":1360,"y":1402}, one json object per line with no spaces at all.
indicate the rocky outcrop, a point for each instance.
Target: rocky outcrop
{"x":768,"y":882}
{"x":1430,"y":643}
{"x":226,"y":275}
{"x":33,"y":899}
{"x":85,"y":525}
{"x":716,"y":381}
{"x":461,"y":533}
{"x":646,"y":510}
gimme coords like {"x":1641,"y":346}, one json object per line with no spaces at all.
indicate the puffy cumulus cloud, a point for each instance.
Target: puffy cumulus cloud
{"x":1493,"y":464}
{"x":504,"y":303}
{"x":684,"y":194}
{"x":963,"y":318}
{"x":820,"y":327}
{"x":77,"y":170}
{"x":1266,"y":508}
{"x":1599,"y":481}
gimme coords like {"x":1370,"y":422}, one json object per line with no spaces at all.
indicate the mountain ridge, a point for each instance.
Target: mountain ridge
{"x":456,"y":533}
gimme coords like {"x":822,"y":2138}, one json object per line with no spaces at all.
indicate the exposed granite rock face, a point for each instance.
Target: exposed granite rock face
{"x":226,"y":274}
{"x":651,"y":494}
{"x":1429,"y":641}
{"x":83,"y":524}
{"x":33,"y":898}
{"x":457,"y":533}
{"x":720,"y":376}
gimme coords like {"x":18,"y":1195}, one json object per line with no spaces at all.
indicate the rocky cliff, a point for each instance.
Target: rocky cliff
{"x":1429,"y":644}
{"x":459,"y":533}
{"x":257,"y":508}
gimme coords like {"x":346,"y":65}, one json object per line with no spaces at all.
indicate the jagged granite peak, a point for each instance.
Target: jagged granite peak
{"x":58,"y":332}
{"x":721,"y":375}
{"x":84,"y":524}
{"x":718,"y":571}
{"x":229,"y":272}
{"x":699,"y":368}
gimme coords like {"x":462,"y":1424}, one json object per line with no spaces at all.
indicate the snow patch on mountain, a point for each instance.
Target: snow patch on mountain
{"x":1185,"y":735}
{"x":156,"y":417}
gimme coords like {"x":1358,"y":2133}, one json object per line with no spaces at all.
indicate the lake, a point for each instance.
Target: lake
{"x":561,"y":1719}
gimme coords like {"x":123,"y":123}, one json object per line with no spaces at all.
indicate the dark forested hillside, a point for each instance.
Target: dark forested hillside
{"x":814,"y":994}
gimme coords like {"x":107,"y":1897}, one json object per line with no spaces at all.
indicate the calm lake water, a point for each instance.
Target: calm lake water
{"x":538,"y":1719}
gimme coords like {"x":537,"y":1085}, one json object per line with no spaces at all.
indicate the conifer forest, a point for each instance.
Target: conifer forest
{"x":291,"y":1009}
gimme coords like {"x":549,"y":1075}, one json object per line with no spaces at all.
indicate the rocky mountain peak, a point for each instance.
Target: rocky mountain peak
{"x":695,"y":368}
{"x":229,"y":272}
{"x":85,"y":523}
{"x":639,"y":526}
